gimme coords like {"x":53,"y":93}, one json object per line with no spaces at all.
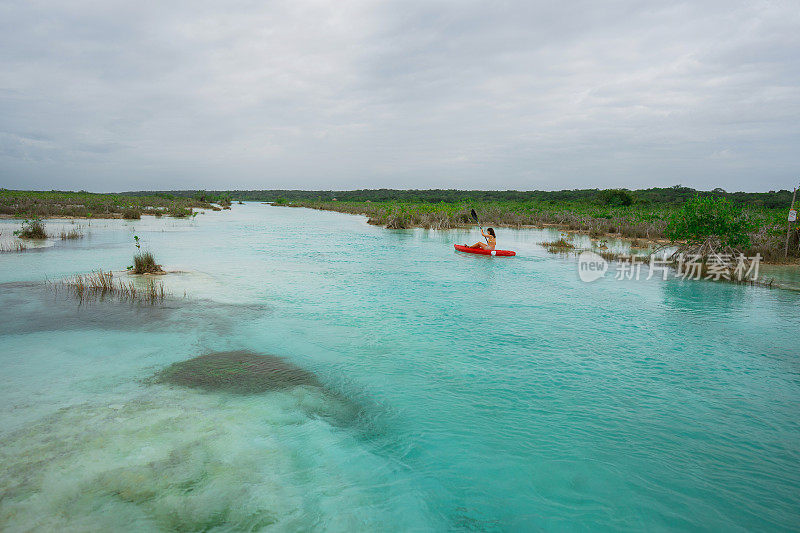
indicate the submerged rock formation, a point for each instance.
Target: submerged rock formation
{"x":239,"y":372}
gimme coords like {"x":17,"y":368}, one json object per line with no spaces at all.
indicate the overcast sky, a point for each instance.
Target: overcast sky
{"x":113,"y":96}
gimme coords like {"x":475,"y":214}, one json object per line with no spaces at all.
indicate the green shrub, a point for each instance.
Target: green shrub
{"x":225,"y":200}
{"x":615,"y":198}
{"x":131,"y":213}
{"x":709,"y":217}
{"x":32,"y":229}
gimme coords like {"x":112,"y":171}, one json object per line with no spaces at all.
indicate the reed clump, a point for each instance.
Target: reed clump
{"x":145,"y":263}
{"x":608,"y":255}
{"x":100,"y":284}
{"x":74,"y":233}
{"x":560,"y":246}
{"x":14,"y":246}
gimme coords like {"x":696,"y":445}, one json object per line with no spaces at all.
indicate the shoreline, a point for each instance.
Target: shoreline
{"x":789,"y":262}
{"x":648,"y":242}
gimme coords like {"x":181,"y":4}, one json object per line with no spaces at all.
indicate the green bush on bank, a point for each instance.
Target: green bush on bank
{"x":131,"y":214}
{"x":708,"y":217}
{"x":32,"y":229}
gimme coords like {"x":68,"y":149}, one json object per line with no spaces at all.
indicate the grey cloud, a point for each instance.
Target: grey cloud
{"x":116,"y":95}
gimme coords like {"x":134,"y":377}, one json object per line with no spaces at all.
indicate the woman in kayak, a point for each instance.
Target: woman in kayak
{"x":491,"y":240}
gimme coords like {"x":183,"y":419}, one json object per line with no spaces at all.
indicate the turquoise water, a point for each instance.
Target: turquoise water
{"x":492,"y":394}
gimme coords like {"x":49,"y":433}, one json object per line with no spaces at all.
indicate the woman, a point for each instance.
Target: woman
{"x":490,"y":238}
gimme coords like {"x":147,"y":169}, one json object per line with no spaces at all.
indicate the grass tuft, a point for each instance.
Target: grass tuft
{"x":559,"y":246}
{"x":74,"y":233}
{"x":100,"y":284}
{"x":145,"y":263}
{"x":14,"y":246}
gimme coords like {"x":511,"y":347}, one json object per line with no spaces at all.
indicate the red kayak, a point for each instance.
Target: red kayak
{"x":481,"y":251}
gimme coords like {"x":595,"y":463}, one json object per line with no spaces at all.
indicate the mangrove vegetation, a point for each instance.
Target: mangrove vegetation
{"x":65,"y":204}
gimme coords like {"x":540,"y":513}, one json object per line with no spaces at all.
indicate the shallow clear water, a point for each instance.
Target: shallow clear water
{"x":460,"y":392}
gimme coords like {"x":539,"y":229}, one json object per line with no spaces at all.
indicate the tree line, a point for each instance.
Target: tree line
{"x":676,"y":195}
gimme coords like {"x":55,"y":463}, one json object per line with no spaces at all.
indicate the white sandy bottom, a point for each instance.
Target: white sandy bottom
{"x":176,"y":459}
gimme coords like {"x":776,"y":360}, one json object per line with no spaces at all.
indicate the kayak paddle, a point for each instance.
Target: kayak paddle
{"x":478,"y":222}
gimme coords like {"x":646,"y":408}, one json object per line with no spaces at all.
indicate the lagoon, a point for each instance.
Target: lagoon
{"x":457,"y":392}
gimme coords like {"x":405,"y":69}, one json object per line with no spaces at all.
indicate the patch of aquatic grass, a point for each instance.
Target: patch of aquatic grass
{"x":32,"y":229}
{"x":608,"y":255}
{"x":559,"y":246}
{"x":74,"y":233}
{"x":131,"y":213}
{"x":145,"y":263}
{"x":239,"y":372}
{"x":99,"y":285}
{"x":14,"y":246}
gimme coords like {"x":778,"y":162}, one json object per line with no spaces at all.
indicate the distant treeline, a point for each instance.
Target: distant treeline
{"x":96,"y":205}
{"x":676,"y":195}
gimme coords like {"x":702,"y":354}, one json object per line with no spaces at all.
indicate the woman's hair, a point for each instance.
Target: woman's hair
{"x":491,"y":232}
